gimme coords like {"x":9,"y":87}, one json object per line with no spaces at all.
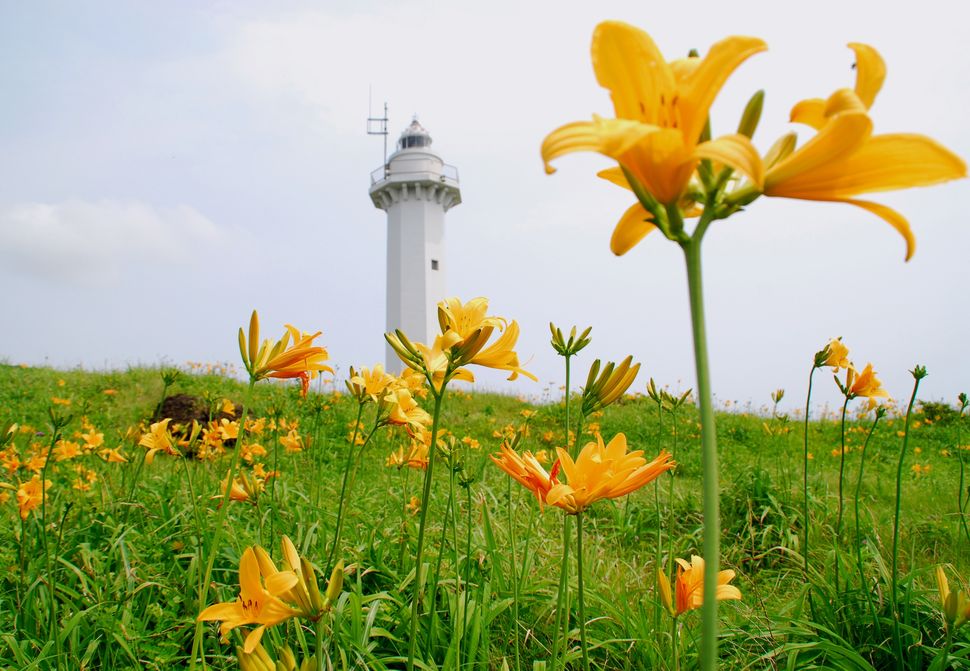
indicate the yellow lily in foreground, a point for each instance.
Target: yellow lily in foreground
{"x":865,"y":384}
{"x":256,"y":604}
{"x":661,"y":111}
{"x":844,"y":159}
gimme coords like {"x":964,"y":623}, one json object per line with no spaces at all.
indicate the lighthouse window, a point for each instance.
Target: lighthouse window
{"x":434,"y":264}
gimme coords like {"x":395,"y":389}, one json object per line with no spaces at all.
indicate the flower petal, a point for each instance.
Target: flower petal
{"x":841,"y":136}
{"x":633,"y":227}
{"x":892,"y":217}
{"x":884,"y":163}
{"x":628,"y":63}
{"x":810,"y":112}
{"x":611,"y":137}
{"x":705,"y":82}
{"x":870,"y":71}
{"x":737,"y":152}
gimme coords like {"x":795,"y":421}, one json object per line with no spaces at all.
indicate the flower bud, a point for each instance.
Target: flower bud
{"x":666,"y":596}
{"x":336,"y":584}
{"x":751,"y":115}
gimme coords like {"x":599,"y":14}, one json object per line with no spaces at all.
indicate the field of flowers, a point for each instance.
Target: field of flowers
{"x":397,"y":521}
{"x":106,"y":570}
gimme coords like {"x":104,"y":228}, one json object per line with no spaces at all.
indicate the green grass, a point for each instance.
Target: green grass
{"x":125,"y":555}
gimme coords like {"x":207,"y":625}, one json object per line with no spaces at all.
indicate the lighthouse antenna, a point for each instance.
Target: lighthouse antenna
{"x":377,"y":125}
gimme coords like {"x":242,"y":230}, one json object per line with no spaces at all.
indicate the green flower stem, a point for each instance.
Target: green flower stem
{"x":51,"y":586}
{"x":272,"y":485}
{"x":468,"y":554}
{"x":562,"y":614}
{"x":320,"y":638}
{"x":569,"y":448}
{"x":343,"y":487}
{"x":897,"y":639}
{"x":675,"y":641}
{"x":838,"y":521}
{"x":425,"y":504}
{"x":805,"y":518}
{"x":220,"y":524}
{"x":962,"y":522}
{"x":670,"y":502}
{"x":449,"y":518}
{"x":454,"y":542}
{"x":858,"y":533}
{"x":515,"y":577}
{"x":582,"y":603}
{"x":656,"y":498}
{"x":709,"y":484}
{"x":404,"y":517}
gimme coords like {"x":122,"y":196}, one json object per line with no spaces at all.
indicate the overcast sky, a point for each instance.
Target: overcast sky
{"x":167,"y":167}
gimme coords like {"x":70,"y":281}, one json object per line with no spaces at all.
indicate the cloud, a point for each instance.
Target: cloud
{"x":93,"y":243}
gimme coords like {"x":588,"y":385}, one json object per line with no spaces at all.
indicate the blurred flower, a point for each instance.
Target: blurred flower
{"x":661,"y":112}
{"x":690,"y":585}
{"x":65,"y":450}
{"x":865,"y":384}
{"x":844,"y":159}
{"x":368,"y":385}
{"x":256,"y":604}
{"x":112,"y":456}
{"x":30,"y":494}
{"x":292,"y":441}
{"x":228,"y":407}
{"x":158,"y":438}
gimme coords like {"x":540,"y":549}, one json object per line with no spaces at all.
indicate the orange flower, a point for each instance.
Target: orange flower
{"x":526,"y":470}
{"x":690,"y":585}
{"x":603,"y":472}
{"x":299,"y":359}
{"x":30,"y":494}
{"x":865,"y":384}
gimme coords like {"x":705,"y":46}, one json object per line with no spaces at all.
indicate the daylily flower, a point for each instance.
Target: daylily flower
{"x":256,"y":604}
{"x":368,"y":385}
{"x":844,"y":159}
{"x":405,"y":411}
{"x":690,"y":585}
{"x":113,"y":455}
{"x":527,"y":470}
{"x":603,"y":472}
{"x":865,"y":384}
{"x":158,"y":439}
{"x":65,"y":450}
{"x":661,"y":110}
{"x":284,"y":359}
{"x":30,"y":494}
{"x":416,"y":456}
{"x":836,"y":355}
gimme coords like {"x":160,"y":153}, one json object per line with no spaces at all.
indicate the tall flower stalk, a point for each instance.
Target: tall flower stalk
{"x":660,"y":138}
{"x":880,"y":413}
{"x":918,"y":373}
{"x":466,"y":330}
{"x":292,"y":356}
{"x":961,"y":517}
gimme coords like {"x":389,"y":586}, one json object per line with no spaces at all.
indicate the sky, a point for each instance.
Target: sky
{"x":167,"y":167}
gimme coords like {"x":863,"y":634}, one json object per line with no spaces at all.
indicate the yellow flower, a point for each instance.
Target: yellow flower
{"x":292,"y":441}
{"x":112,"y":456}
{"x":66,"y":450}
{"x":228,"y":407}
{"x":158,"y":438}
{"x":256,"y":604}
{"x":60,"y":401}
{"x":837,"y":355}
{"x":465,"y":332}
{"x":30,"y":494}
{"x":369,"y":384}
{"x":661,"y":111}
{"x":92,"y":439}
{"x":603,"y":472}
{"x":416,"y":456}
{"x":405,"y":411}
{"x":690,"y":585}
{"x":865,"y":384}
{"x":284,"y":359}
{"x":844,"y":159}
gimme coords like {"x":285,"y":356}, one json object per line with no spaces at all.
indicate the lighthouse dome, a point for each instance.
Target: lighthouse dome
{"x":414,"y":135}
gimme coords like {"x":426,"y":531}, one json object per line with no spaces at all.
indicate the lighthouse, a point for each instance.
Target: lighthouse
{"x":415,"y":188}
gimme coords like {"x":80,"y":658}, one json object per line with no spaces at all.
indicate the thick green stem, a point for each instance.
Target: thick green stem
{"x":805,"y":518}
{"x":897,"y":639}
{"x":962,"y":521}
{"x":709,"y":483}
{"x":468,"y":554}
{"x":342,"y":505}
{"x":858,"y":533}
{"x":838,"y":520}
{"x":220,"y":523}
{"x":569,"y":448}
{"x":320,"y":638}
{"x":425,"y":504}
{"x":675,"y":642}
{"x":658,"y":553}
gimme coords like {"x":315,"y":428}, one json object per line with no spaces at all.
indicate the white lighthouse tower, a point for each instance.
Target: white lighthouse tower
{"x":415,"y":187}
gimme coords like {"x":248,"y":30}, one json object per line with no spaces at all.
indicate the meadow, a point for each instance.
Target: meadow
{"x":108,"y":576}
